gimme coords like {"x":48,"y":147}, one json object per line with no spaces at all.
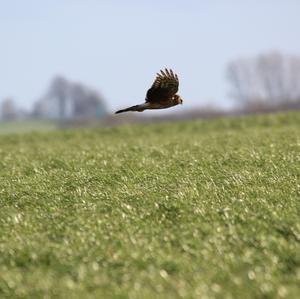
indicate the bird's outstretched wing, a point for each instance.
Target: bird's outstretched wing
{"x":163,"y":88}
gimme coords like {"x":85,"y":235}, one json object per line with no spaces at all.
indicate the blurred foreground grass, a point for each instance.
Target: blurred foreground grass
{"x":199,"y":209}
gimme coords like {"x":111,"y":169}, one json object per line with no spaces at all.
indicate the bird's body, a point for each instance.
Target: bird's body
{"x":161,"y":95}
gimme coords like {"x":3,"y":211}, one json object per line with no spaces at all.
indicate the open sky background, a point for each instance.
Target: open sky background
{"x":116,"y":47}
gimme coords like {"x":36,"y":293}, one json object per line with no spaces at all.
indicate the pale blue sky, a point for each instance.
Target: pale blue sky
{"x":117,"y":47}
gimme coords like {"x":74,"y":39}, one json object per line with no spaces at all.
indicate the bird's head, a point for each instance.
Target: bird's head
{"x":177,"y":99}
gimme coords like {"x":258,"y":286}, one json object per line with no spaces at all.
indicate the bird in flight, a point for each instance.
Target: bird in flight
{"x":161,"y":95}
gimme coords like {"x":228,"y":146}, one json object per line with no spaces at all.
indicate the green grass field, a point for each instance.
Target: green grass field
{"x":199,"y":209}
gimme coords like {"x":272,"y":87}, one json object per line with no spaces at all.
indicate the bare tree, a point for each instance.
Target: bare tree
{"x":87,"y":102}
{"x":269,"y":79}
{"x":78,"y":94}
{"x":59,"y":89}
{"x":8,"y":109}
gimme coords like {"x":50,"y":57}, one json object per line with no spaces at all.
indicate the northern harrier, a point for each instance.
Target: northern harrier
{"x":162,"y":93}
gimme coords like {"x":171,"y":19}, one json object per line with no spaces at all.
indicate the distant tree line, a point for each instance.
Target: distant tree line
{"x":63,"y":100}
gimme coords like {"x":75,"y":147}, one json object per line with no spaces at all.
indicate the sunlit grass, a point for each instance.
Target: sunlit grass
{"x":182,"y":210}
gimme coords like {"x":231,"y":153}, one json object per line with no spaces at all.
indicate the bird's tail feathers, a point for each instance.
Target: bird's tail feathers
{"x":139,"y":108}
